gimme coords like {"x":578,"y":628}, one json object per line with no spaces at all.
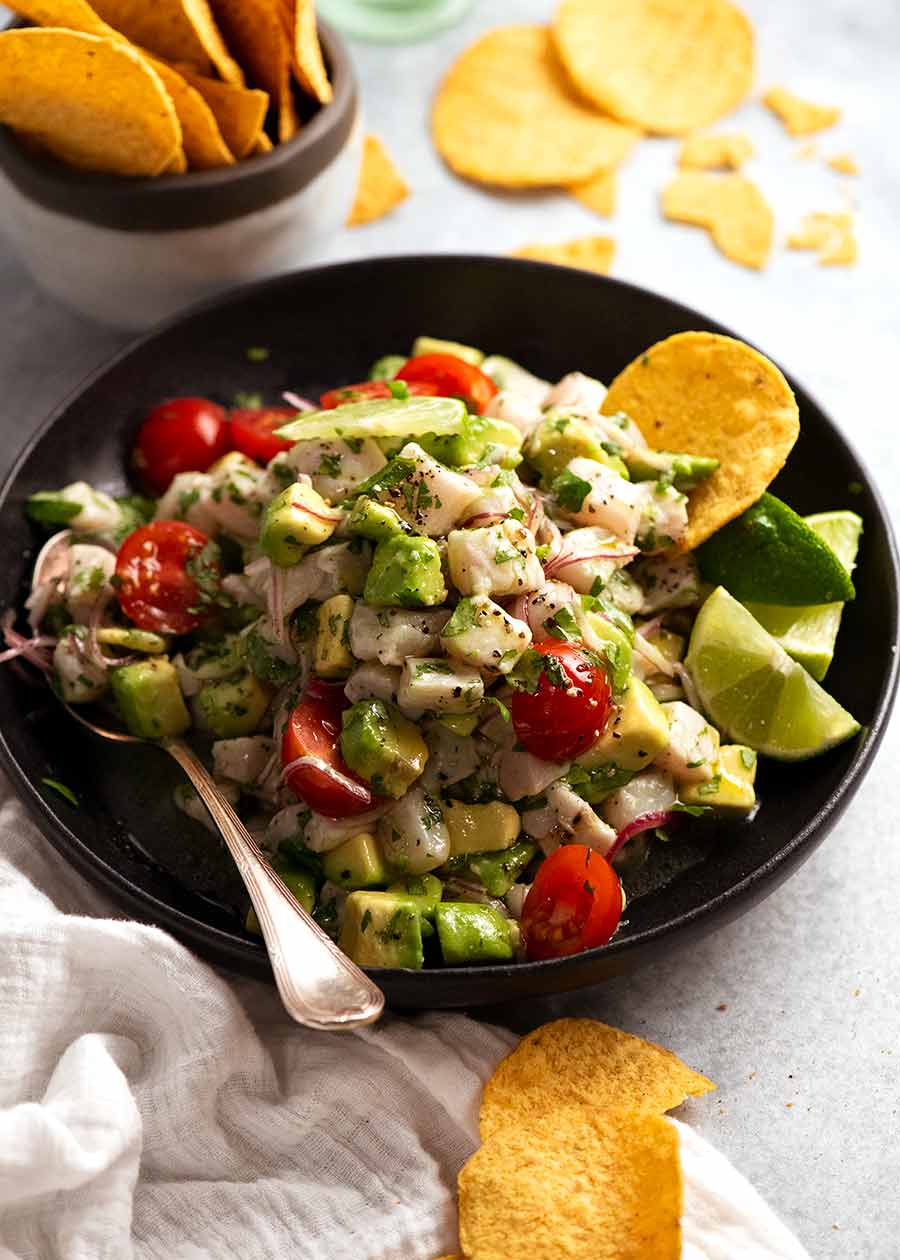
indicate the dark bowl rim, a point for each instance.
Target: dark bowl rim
{"x":194,"y":199}
{"x":227,"y":945}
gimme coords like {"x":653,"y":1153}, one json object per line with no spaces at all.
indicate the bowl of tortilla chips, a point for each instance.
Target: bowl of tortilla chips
{"x":153,"y":155}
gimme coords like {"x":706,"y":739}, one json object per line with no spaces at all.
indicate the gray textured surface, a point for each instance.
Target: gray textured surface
{"x":794,"y":1010}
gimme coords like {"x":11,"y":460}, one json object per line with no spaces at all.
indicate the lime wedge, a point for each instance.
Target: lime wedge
{"x":771,"y":555}
{"x":809,"y":634}
{"x":754,"y":692}
{"x":380,"y":417}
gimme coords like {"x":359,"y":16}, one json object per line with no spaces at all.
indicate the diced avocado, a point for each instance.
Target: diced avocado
{"x":357,"y":863}
{"x":499,"y":871}
{"x":382,"y":930}
{"x":133,"y":640}
{"x":634,"y":735}
{"x":730,"y":791}
{"x":382,"y":746}
{"x":614,"y":645}
{"x":480,"y":828}
{"x":424,"y":891}
{"x":561,"y":438}
{"x":215,"y":659}
{"x":472,"y":933}
{"x":267,"y":659}
{"x":301,"y":883}
{"x":406,"y":573}
{"x":387,"y":367}
{"x":233,"y":707}
{"x":435,"y":345}
{"x":371,"y":519}
{"x":481,"y":439}
{"x":459,"y":723}
{"x":684,"y":472}
{"x":150,"y":699}
{"x":332,"y":657}
{"x":295,"y":520}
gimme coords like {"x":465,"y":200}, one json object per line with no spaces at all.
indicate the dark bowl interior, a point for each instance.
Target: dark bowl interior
{"x":325,"y":327}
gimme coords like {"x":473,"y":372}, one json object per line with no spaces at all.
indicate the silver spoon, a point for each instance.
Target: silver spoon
{"x":319,"y":985}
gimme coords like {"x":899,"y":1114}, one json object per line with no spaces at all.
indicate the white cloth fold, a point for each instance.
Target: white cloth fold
{"x":150,"y":1109}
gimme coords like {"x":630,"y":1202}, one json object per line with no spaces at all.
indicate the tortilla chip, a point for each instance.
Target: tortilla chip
{"x":262,"y":144}
{"x":589,"y":253}
{"x":806,"y":151}
{"x":737,"y":215}
{"x":663,"y":65}
{"x":577,"y":1185}
{"x":726,"y":151}
{"x":309,"y":66}
{"x":598,"y":194}
{"x":178,"y":165}
{"x":582,"y":1061}
{"x":239,"y":112}
{"x":176,"y":30}
{"x":800,"y":117}
{"x":71,"y":15}
{"x":381,"y":187}
{"x":255,"y":31}
{"x":91,"y":101}
{"x":711,"y":395}
{"x":831,"y":234}
{"x":204,"y":146}
{"x":505,"y":115}
{"x":844,"y":164}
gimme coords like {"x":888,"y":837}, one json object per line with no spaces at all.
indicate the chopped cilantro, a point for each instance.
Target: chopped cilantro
{"x":695,"y":811}
{"x":464,"y":618}
{"x":570,"y":491}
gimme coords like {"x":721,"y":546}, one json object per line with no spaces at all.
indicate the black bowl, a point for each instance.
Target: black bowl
{"x":324,"y":327}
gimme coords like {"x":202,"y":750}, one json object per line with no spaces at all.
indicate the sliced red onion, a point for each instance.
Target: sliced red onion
{"x":564,"y":558}
{"x":336,"y":777}
{"x":645,"y":822}
{"x":276,"y":603}
{"x":93,"y":651}
{"x":519,"y":607}
{"x":294,"y":400}
{"x":482,"y":519}
{"x":650,"y":627}
{"x":653,"y":656}
{"x":330,"y":518}
{"x":34,"y":650}
{"x":690,"y":687}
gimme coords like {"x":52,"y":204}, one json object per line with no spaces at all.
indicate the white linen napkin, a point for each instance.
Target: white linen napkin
{"x":152,"y":1110}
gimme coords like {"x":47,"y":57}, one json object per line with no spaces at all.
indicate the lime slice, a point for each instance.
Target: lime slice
{"x":754,"y":692}
{"x":771,"y":555}
{"x":809,"y":634}
{"x":380,"y":417}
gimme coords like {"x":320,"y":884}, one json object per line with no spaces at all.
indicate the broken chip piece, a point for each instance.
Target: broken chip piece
{"x":589,"y":253}
{"x":381,"y":186}
{"x":725,"y":151}
{"x":800,"y":118}
{"x":731,"y":207}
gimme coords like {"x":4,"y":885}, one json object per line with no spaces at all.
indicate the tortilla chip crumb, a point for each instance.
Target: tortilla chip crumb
{"x":800,"y":117}
{"x":831,"y":234}
{"x":589,"y":253}
{"x":844,"y":164}
{"x":730,"y":207}
{"x":598,"y":194}
{"x":381,"y":186}
{"x":806,"y":151}
{"x":728,"y":150}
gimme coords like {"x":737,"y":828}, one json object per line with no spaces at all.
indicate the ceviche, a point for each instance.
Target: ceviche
{"x":456,"y":636}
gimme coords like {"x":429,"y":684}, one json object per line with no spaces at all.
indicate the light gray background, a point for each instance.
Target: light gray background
{"x":794,"y":1010}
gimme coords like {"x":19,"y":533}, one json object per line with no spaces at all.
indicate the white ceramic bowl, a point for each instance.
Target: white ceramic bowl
{"x":129,"y":252}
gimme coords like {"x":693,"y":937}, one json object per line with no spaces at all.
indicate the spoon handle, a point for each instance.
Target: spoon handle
{"x":319,"y":985}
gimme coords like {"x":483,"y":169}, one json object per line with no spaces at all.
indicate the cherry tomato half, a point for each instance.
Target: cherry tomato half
{"x":452,"y":377}
{"x":168,"y":576}
{"x":252,"y":431}
{"x":575,"y":903}
{"x":313,"y":730}
{"x":181,"y":435}
{"x":365,"y":390}
{"x":570,"y":707}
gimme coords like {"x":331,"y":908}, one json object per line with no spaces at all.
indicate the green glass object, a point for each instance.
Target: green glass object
{"x":393,"y":21}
